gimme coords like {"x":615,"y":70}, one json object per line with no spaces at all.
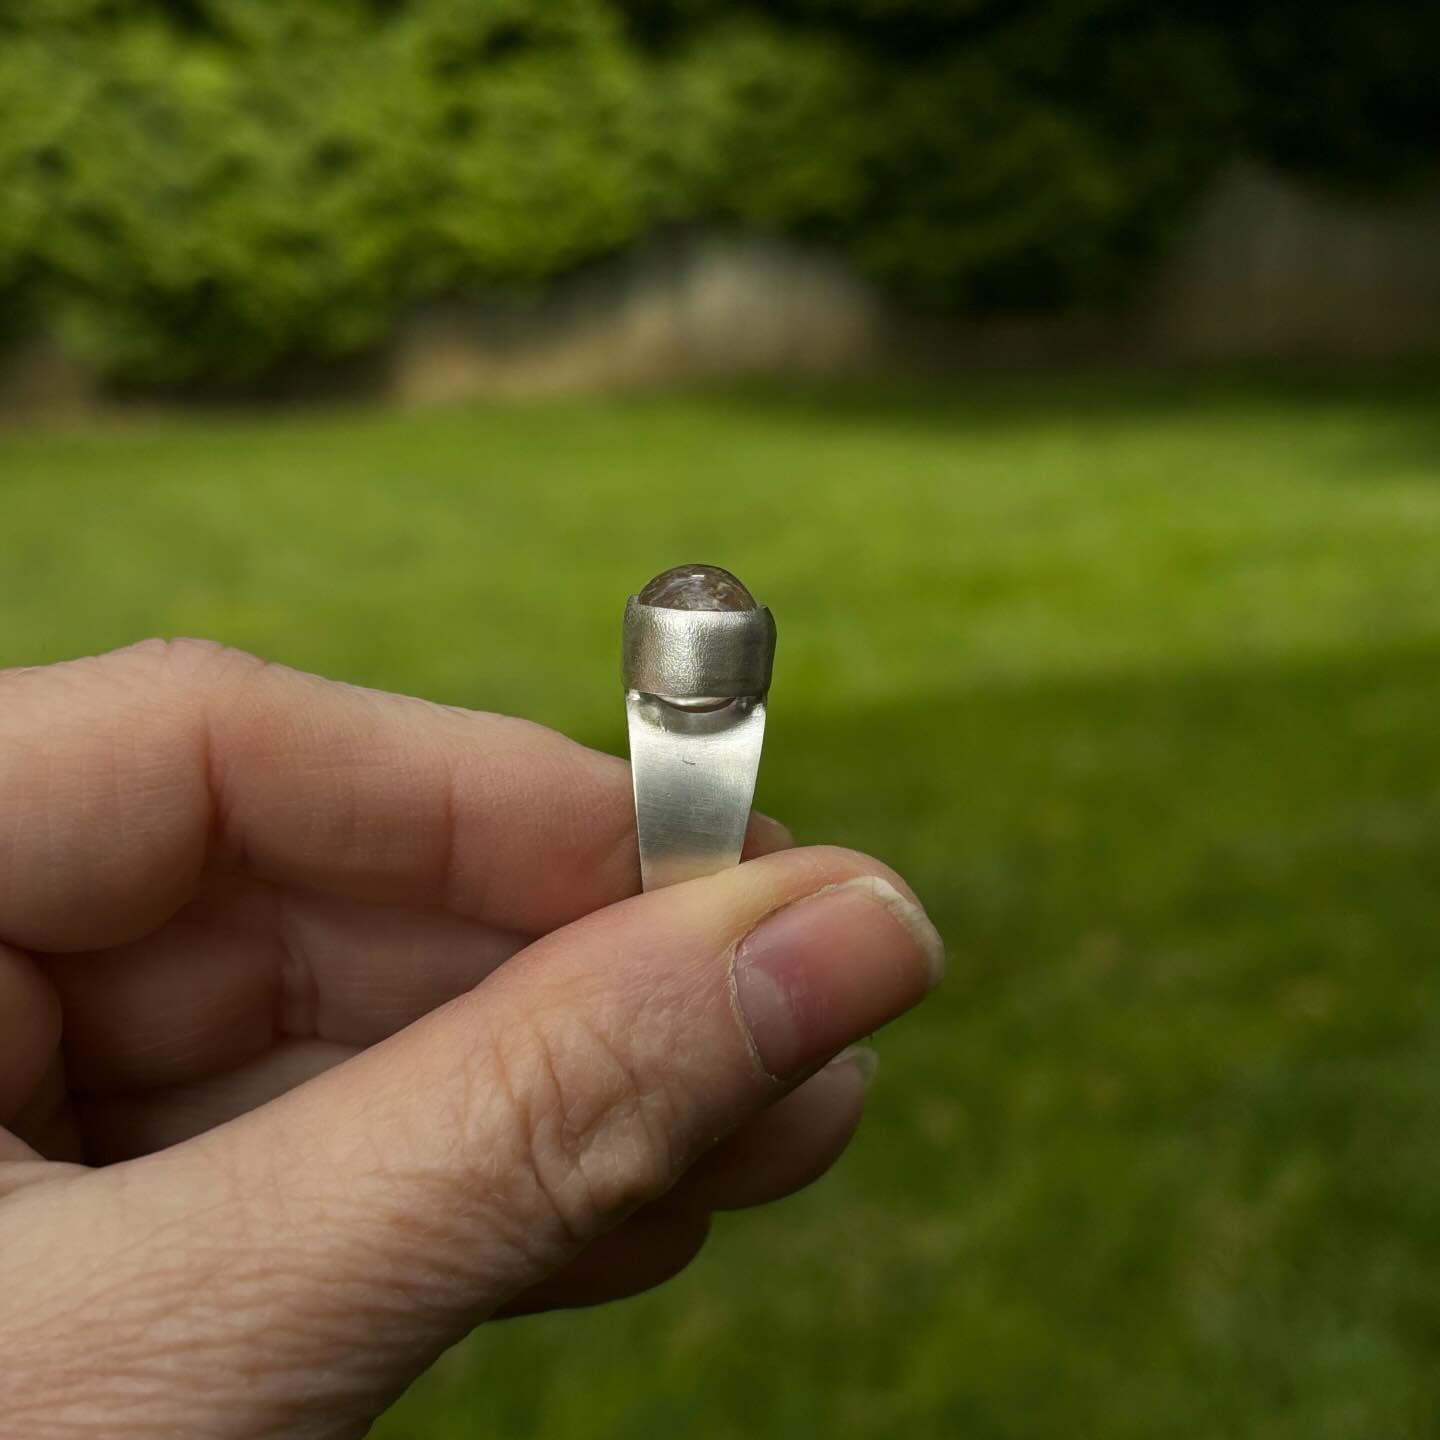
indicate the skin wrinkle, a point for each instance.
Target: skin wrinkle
{"x":504,"y":1188}
{"x":510,"y":1247}
{"x":468,"y":1212}
{"x":353,"y":1296}
{"x":616,"y":1158}
{"x":138,"y":1309}
{"x":485,"y":1192}
{"x":223,"y":839}
{"x":297,"y":1014}
{"x":658,"y":1025}
{"x":144,"y":1373}
{"x":594,"y":1133}
{"x":526,"y":1099}
{"x":99,"y":1422}
{"x":61,"y":1308}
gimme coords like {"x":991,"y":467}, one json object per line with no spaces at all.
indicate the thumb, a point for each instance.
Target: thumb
{"x":312,"y":1257}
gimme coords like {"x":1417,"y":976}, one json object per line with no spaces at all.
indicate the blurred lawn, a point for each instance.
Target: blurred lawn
{"x":1136,"y":679}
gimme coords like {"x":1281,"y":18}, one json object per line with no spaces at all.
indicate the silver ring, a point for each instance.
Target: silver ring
{"x":696,"y":658}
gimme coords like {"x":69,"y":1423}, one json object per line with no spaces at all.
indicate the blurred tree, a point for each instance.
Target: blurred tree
{"x":1344,"y":92}
{"x":259,"y":185}
{"x":213,"y":190}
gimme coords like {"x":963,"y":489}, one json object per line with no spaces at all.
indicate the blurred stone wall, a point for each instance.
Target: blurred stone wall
{"x":1267,"y":268}
{"x":678,"y":310}
{"x":1273,"y":269}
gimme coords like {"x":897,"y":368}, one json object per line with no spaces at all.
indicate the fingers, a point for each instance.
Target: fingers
{"x":29,"y":1030}
{"x":645,"y":1251}
{"x":46,"y":1122}
{"x":780,"y":1151}
{"x":131,"y":1123}
{"x":442,"y":1173}
{"x":13,"y":1151}
{"x":247,"y":966}
{"x":788,"y":1146}
{"x":579,"y":1082}
{"x":119,"y":776}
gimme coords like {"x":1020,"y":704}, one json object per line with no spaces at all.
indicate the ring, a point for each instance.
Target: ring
{"x":696,"y":659}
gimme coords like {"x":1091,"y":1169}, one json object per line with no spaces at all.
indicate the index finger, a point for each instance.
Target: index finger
{"x":123,"y":776}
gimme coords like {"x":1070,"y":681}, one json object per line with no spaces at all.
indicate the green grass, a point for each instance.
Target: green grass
{"x":1138,"y":680}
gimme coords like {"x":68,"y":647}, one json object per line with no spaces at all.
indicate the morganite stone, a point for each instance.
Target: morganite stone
{"x":697,"y":587}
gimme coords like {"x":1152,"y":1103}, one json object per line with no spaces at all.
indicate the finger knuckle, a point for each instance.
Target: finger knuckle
{"x":594,"y":1135}
{"x":151,"y":672}
{"x":182,"y":660}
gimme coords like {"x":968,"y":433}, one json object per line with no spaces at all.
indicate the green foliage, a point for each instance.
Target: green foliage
{"x":1051,"y":207}
{"x":272,"y":186}
{"x":1347,"y":92}
{"x":213,"y":190}
{"x":760,"y":124}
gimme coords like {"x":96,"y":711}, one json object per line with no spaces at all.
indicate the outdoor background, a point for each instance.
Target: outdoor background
{"x":1133,"y":670}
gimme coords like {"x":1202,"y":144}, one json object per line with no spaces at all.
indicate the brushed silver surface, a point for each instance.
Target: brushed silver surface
{"x":694,"y":769}
{"x":695,"y":654}
{"x":694,"y":779}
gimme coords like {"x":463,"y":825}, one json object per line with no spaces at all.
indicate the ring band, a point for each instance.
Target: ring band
{"x":696,"y":681}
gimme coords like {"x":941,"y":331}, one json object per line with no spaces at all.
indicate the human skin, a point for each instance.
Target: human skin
{"x":332,"y":1025}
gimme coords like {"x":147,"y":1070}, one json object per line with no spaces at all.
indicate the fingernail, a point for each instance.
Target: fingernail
{"x":826,"y":970}
{"x":861,"y":1058}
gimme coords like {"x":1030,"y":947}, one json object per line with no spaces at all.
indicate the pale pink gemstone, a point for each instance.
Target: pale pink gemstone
{"x":697,"y":587}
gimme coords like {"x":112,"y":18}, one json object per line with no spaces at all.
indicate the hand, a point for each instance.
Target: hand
{"x":367,"y":1037}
